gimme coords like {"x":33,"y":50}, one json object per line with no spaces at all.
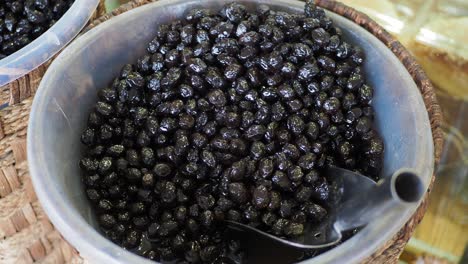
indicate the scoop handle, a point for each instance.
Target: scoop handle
{"x":403,"y":188}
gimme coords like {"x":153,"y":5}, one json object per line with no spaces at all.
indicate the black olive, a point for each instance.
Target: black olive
{"x":238,"y":192}
{"x":260,"y":197}
{"x":293,"y":229}
{"x":315,"y":212}
{"x":286,"y":208}
{"x":308,"y":71}
{"x":107,"y":220}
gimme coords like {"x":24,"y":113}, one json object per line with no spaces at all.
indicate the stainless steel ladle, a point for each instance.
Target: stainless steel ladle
{"x":359,"y":201}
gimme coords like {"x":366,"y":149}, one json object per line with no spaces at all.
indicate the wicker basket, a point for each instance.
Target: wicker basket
{"x":26,"y":236}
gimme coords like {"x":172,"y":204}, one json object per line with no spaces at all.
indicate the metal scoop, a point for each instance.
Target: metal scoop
{"x":358,"y":201}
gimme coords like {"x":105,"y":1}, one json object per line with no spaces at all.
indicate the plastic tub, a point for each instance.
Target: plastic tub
{"x":68,"y":92}
{"x":48,"y":44}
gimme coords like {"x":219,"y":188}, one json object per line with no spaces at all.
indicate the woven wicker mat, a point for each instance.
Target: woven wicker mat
{"x":27,"y":236}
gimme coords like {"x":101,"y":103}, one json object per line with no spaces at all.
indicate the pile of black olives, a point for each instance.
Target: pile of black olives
{"x":230,"y":115}
{"x":22,"y":21}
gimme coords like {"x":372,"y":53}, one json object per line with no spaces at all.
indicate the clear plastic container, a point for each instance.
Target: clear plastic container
{"x":48,"y":44}
{"x":68,"y":92}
